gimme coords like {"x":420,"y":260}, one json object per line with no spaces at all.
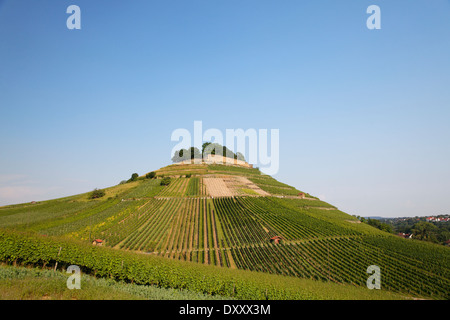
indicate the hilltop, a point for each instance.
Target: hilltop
{"x":229,"y":217}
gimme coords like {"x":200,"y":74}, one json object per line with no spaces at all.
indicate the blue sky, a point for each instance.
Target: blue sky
{"x":363,"y":114}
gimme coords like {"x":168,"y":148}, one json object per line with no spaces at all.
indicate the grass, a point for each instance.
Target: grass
{"x":21,"y":283}
{"x":248,"y":191}
{"x":111,"y":192}
{"x":273,"y":186}
{"x":199,"y":169}
{"x":145,"y":189}
{"x":31,"y":215}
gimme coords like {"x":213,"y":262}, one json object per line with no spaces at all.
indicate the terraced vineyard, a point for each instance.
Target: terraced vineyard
{"x":182,"y":221}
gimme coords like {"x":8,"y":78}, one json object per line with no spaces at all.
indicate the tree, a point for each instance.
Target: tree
{"x":240,"y":156}
{"x":204,"y":146}
{"x":150,"y":175}
{"x":424,"y":231}
{"x":374,"y":223}
{"x":443,"y":235}
{"x":387,"y":228}
{"x":97,"y":193}
{"x":195,"y":153}
{"x":380,"y":225}
{"x":179,"y":155}
{"x":217,"y":149}
{"x":186,"y":154}
{"x":134,"y":177}
{"x":207,"y":148}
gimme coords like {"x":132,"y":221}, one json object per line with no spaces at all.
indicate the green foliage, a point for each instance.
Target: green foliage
{"x":235,"y":170}
{"x":144,"y":230}
{"x":425,"y":231}
{"x":97,"y":193}
{"x":274,"y":187}
{"x":176,"y":187}
{"x":207,"y":148}
{"x":134,"y":177}
{"x":150,"y":175}
{"x":380,"y":225}
{"x":240,"y":156}
{"x":440,"y":234}
{"x":43,"y":213}
{"x":186,"y":154}
{"x":147,"y":188}
{"x":165,"y":181}
{"x":152,"y":270}
{"x":247,"y":191}
{"x":81,"y":224}
{"x":218,"y":149}
{"x":204,"y":146}
{"x":175,"y":221}
{"x":20,"y":283}
{"x":193,"y":188}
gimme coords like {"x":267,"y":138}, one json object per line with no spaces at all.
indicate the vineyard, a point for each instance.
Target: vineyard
{"x":128,"y":267}
{"x":194,"y":187}
{"x":204,"y":221}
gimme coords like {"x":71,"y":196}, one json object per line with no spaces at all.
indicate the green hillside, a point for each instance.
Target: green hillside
{"x":185,"y":221}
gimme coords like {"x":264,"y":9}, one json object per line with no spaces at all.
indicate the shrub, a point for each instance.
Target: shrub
{"x":150,"y":175}
{"x":165,"y":181}
{"x":97,"y":193}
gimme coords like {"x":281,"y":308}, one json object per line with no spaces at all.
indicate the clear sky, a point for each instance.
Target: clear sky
{"x":363,"y":115}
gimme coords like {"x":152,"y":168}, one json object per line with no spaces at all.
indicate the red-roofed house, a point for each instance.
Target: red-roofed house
{"x":97,"y":242}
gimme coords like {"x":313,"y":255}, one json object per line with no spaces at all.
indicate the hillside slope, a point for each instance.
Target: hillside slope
{"x":226,"y":216}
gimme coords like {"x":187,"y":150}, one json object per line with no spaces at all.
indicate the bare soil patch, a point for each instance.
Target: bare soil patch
{"x":216,"y":187}
{"x":229,"y":186}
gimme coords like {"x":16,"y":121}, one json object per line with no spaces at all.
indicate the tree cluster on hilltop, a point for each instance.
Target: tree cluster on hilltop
{"x":207,"y":148}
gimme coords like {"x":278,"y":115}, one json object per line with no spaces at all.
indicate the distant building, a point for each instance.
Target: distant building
{"x":301,"y":195}
{"x":97,"y":242}
{"x":437,"y":219}
{"x":404,"y":235}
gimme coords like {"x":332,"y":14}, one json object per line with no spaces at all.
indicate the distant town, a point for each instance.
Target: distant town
{"x":438,"y":218}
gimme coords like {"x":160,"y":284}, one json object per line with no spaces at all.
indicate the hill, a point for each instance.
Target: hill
{"x":226,"y":216}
